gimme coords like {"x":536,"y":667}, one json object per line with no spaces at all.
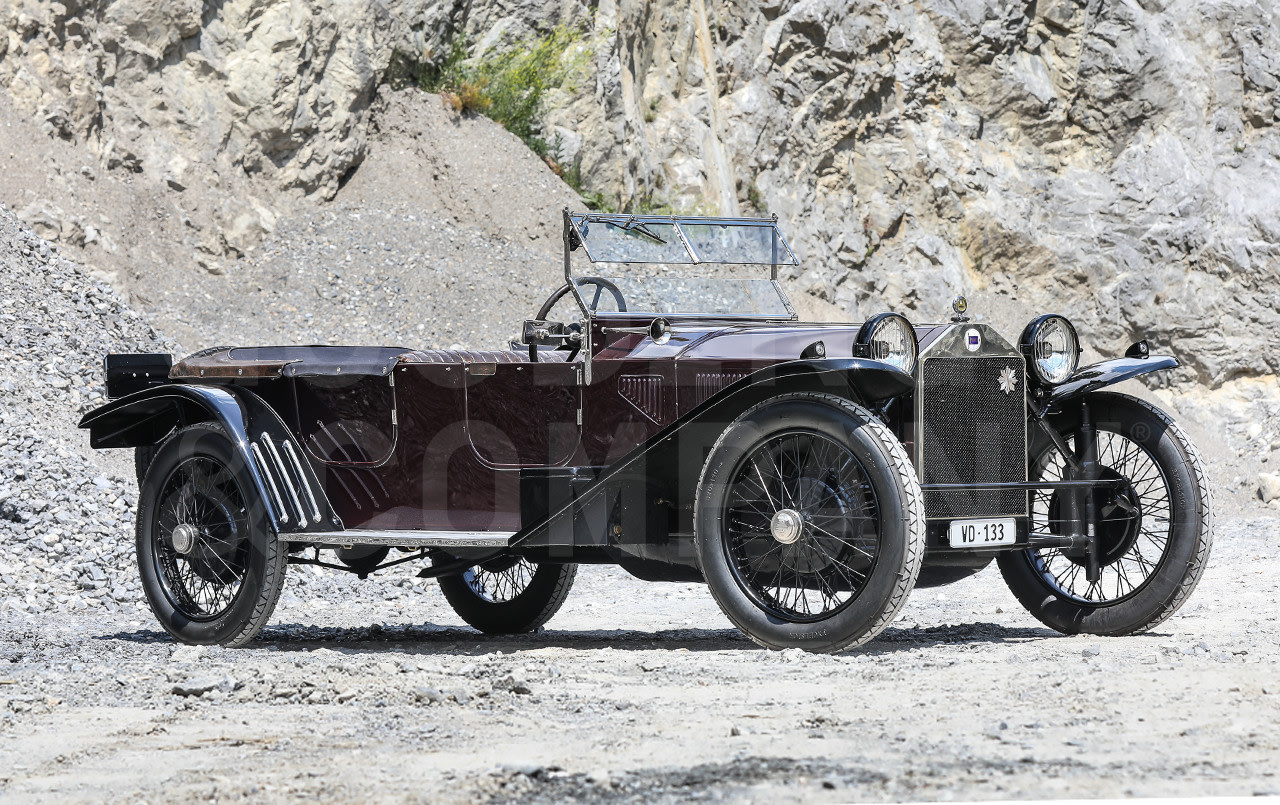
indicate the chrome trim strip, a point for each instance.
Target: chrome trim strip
{"x":306,"y":487}
{"x":786,"y":300}
{"x":288,"y":482}
{"x":271,"y":481}
{"x":413,"y":539}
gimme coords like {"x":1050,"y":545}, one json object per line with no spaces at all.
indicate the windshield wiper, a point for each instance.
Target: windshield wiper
{"x":632,"y":225}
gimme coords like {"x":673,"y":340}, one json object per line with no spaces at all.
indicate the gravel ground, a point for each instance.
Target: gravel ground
{"x":642,"y":692}
{"x":63,"y":508}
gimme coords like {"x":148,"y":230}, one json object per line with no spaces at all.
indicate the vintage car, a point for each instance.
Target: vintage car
{"x":675,"y":419}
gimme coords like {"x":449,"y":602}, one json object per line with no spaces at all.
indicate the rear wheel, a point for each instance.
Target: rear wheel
{"x":810,"y":523}
{"x":1154,"y":533}
{"x":508,"y":595}
{"x":210,"y":566}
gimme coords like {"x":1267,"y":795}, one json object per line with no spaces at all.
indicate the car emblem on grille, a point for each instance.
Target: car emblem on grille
{"x":1008,"y":380}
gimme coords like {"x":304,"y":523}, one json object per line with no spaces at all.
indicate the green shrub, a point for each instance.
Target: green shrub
{"x":509,"y":86}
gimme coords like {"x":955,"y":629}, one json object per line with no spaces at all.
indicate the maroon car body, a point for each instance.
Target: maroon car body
{"x":590,"y":441}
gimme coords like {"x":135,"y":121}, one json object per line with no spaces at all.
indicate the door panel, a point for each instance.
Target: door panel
{"x":346,"y":420}
{"x":523,"y":414}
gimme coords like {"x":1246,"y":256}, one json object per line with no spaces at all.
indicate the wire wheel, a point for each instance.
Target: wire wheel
{"x":1134,"y":524}
{"x":500,"y":581}
{"x":201,"y":538}
{"x":802,"y":526}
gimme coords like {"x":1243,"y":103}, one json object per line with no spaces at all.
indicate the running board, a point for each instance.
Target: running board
{"x":411,"y":539}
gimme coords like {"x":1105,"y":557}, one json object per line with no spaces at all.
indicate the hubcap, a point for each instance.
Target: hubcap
{"x":786,"y":525}
{"x":183,"y":539}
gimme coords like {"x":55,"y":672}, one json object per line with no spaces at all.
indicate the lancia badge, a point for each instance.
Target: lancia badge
{"x":1008,"y":380}
{"x":972,"y":339}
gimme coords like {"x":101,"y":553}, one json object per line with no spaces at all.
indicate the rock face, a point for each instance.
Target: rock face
{"x":192,"y":94}
{"x":267,"y":87}
{"x":1116,"y":162}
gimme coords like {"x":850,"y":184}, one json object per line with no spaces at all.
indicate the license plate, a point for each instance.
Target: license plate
{"x":982,"y":533}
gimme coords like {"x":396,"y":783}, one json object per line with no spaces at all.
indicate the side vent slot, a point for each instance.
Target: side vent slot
{"x":644,"y":392}
{"x":290,"y":478}
{"x":302,"y":481}
{"x":265,"y":469}
{"x":707,"y":384}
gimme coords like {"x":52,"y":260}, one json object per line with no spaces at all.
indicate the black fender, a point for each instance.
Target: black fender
{"x":1103,"y":374}
{"x":674,"y":455}
{"x":283,"y":477}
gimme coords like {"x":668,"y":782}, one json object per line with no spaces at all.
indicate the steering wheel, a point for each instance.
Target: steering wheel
{"x":601,"y":284}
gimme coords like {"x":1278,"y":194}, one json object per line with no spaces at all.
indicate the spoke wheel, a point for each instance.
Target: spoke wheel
{"x":500,"y":581}
{"x":809,"y":523}
{"x":1134,"y":524}
{"x":211,"y":568}
{"x":1155,"y":532}
{"x":802,"y":528}
{"x":509,"y":594}
{"x":202,"y":540}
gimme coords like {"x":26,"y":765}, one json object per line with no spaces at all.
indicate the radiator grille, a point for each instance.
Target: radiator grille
{"x":973,"y":432}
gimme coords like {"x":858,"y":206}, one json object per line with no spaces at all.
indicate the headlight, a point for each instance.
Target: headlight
{"x":889,"y":337}
{"x":1051,"y":345}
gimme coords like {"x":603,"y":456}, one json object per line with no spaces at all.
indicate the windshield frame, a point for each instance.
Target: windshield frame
{"x":782,"y":254}
{"x":574,"y":241}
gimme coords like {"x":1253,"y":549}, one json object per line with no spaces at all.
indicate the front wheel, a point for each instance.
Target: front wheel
{"x":508,"y":595}
{"x":810,"y":523}
{"x":1154,"y":532}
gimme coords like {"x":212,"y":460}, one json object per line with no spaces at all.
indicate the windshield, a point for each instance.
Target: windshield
{"x":680,"y":264}
{"x":681,"y":240}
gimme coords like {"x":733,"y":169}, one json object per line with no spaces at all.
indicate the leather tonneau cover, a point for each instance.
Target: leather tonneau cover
{"x":327,"y":361}
{"x":246,"y":362}
{"x":311,"y":361}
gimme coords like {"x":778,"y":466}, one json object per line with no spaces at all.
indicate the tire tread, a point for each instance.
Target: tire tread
{"x":1033,"y":600}
{"x":1195,"y":570}
{"x":276,"y":554}
{"x":462,"y":600}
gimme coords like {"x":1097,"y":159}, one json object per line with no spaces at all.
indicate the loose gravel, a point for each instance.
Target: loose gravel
{"x":641,"y":693}
{"x":65,"y":512}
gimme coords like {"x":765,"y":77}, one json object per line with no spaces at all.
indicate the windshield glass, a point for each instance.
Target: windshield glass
{"x":664,"y":264}
{"x":671,"y":295}
{"x":681,"y":239}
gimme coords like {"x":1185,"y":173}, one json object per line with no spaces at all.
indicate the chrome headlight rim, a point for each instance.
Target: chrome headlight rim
{"x":872,"y":326}
{"x":1031,"y":335}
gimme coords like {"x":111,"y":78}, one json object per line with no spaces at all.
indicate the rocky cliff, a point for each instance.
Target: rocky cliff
{"x":239,"y":169}
{"x":1114,"y":161}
